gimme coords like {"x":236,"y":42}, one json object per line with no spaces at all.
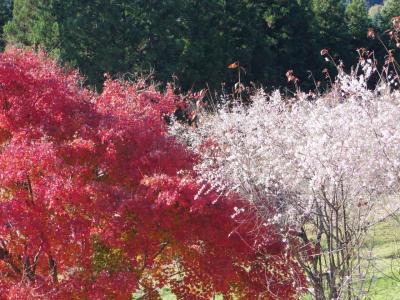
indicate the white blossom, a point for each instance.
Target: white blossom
{"x":291,"y":154}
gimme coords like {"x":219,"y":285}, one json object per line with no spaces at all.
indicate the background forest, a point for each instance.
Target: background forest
{"x":118,"y":179}
{"x":192,"y":42}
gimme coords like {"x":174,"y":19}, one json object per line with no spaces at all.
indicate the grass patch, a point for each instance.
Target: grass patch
{"x":384,"y":243}
{"x":382,"y":247}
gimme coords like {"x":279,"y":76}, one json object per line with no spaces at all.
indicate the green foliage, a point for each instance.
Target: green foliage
{"x":374,"y":14}
{"x":357,"y":19}
{"x":5,"y":15}
{"x":390,"y":9}
{"x":95,"y":36}
{"x":192,"y":40}
{"x":330,"y":27}
{"x":32,"y":25}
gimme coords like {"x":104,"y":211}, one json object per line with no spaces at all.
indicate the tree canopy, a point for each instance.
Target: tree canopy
{"x":98,"y":201}
{"x":390,"y":9}
{"x":5,"y":16}
{"x":357,"y":19}
{"x":188,"y":40}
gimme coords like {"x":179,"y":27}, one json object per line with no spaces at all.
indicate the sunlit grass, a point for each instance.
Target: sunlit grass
{"x":383,"y":247}
{"x":384,"y":242}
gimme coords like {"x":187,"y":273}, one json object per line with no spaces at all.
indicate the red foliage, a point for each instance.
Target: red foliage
{"x":97,"y":201}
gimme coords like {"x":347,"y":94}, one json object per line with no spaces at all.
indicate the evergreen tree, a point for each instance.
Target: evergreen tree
{"x":205,"y":48}
{"x":390,"y":9}
{"x":290,"y":33}
{"x":32,"y":25}
{"x":194,"y":40}
{"x":115,"y":37}
{"x":329,"y":16}
{"x":357,"y":19}
{"x":5,"y":16}
{"x":95,"y":36}
{"x":20,"y":29}
{"x":374,"y":14}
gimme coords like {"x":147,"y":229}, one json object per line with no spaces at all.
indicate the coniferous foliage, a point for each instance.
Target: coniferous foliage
{"x":5,"y":16}
{"x":330,"y":27}
{"x":390,"y":9}
{"x":357,"y":19}
{"x":192,"y":40}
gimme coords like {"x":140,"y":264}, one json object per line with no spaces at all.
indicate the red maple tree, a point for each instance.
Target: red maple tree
{"x":97,"y":201}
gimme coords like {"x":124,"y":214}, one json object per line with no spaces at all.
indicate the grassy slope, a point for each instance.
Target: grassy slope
{"x":383,"y":248}
{"x":385,"y":239}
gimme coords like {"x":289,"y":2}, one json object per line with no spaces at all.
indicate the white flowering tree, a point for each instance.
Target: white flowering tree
{"x":325,"y":169}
